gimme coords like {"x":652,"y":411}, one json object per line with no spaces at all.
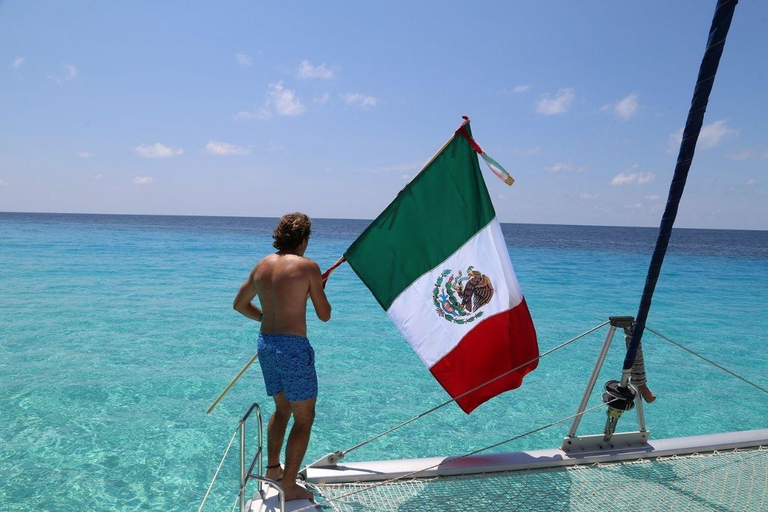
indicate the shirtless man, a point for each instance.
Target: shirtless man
{"x":283,"y":281}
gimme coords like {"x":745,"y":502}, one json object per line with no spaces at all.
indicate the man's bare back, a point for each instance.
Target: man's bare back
{"x":283,"y":282}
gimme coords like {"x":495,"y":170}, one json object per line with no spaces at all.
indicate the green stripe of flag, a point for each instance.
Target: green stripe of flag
{"x":434,"y":215}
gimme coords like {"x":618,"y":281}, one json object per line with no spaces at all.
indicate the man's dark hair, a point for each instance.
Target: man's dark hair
{"x":291,"y":231}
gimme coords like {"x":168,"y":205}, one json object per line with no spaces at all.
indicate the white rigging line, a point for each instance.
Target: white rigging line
{"x":726,"y":370}
{"x":558,"y":347}
{"x":215,"y":475}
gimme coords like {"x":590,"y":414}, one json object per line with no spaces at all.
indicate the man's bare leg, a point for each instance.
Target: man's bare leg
{"x":275,"y":435}
{"x":298,"y":440}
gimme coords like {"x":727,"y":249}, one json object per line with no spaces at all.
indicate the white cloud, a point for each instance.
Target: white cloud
{"x":765,"y":156}
{"x":85,"y":154}
{"x":4,"y":183}
{"x":395,"y":168}
{"x":750,"y":183}
{"x":307,"y":70}
{"x":405,"y":177}
{"x":625,"y":108}
{"x":284,"y":100}
{"x":245,"y":115}
{"x":225,"y":149}
{"x":589,"y":196}
{"x":653,"y":197}
{"x":740,"y":156}
{"x":279,"y":101}
{"x":562,"y":167}
{"x":674,"y":141}
{"x":71,"y":72}
{"x":501,"y":197}
{"x":157,"y":150}
{"x":519,"y":89}
{"x":98,"y":176}
{"x":633,"y":177}
{"x":142,"y":180}
{"x":274,"y":147}
{"x":244,"y":60}
{"x":559,"y":103}
{"x":710,"y":136}
{"x":359,"y":100}
{"x":17,"y":62}
{"x":636,"y":206}
{"x":322,"y":100}
{"x":526,"y":151}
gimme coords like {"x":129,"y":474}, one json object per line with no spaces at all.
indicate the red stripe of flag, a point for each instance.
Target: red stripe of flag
{"x":496,"y":346}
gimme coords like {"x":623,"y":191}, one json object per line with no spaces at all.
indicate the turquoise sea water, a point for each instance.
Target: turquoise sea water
{"x":117,"y":332}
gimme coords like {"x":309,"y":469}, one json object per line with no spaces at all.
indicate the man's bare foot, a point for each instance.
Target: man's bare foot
{"x":275,"y":474}
{"x":297,"y":492}
{"x":648,"y":395}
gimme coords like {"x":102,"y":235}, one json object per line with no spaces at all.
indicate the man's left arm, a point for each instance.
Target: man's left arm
{"x":243,"y":304}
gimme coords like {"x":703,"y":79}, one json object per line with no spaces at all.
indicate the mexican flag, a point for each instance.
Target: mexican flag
{"x":436,"y":261}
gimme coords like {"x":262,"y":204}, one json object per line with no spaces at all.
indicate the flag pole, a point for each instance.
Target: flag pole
{"x":436,"y":154}
{"x":333,"y":267}
{"x":232,"y":383}
{"x":466,"y":120}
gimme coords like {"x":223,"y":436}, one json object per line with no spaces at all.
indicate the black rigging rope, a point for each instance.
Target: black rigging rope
{"x":715,"y":44}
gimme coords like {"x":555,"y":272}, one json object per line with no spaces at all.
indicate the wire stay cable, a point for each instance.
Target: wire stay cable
{"x":215,"y":475}
{"x":726,"y":370}
{"x":558,"y":347}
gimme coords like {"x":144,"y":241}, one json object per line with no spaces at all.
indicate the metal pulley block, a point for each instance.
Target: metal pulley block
{"x":618,"y":398}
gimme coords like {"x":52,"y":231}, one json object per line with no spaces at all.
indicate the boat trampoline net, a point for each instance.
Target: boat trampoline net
{"x":717,"y":482}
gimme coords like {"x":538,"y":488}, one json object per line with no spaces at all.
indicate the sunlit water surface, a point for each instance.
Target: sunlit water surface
{"x":117,"y":332}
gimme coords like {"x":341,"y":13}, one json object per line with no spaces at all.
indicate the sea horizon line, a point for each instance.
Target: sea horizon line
{"x":225,"y":216}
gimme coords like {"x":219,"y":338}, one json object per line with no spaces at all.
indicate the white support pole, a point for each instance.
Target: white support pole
{"x":592,"y":380}
{"x":241,"y":496}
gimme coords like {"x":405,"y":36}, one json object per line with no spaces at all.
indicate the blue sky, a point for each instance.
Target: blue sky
{"x":260,"y":108}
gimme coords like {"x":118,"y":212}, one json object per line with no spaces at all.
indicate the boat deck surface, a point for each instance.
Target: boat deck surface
{"x":271,"y":503}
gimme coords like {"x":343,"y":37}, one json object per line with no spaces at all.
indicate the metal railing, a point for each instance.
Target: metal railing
{"x":245,"y":476}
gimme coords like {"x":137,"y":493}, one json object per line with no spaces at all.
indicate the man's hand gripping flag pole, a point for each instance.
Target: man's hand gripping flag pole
{"x":333,"y":267}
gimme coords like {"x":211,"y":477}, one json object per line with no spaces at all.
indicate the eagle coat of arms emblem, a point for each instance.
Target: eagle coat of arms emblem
{"x":458,"y":298}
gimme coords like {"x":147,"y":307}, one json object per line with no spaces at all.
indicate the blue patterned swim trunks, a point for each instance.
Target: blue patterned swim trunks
{"x":288,"y":364}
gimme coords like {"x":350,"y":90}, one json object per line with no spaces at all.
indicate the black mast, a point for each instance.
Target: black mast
{"x":715,"y":44}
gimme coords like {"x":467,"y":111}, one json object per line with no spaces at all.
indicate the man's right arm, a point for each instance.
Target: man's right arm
{"x":245,"y":295}
{"x":317,"y":294}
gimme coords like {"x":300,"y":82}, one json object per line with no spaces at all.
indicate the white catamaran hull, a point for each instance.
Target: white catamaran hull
{"x":535,"y":459}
